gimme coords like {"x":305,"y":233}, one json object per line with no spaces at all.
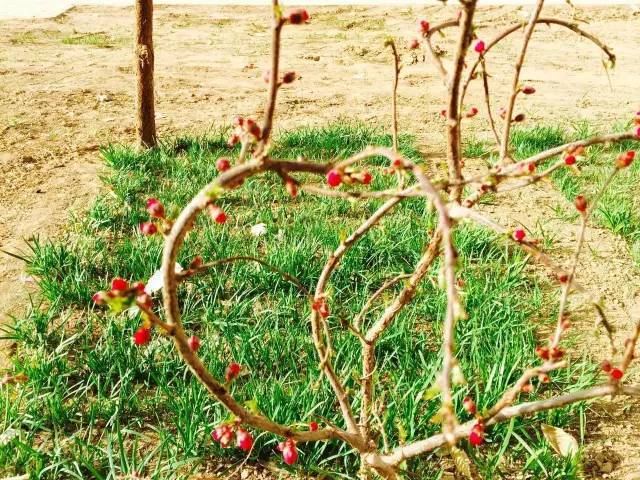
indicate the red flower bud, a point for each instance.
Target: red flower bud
{"x":119,"y":285}
{"x":99,"y":298}
{"x":289,"y":77}
{"x":233,"y":370}
{"x":233,"y":140}
{"x":527,"y":388}
{"x":479,"y":47}
{"x":556,"y":353}
{"x":320,"y":306}
{"x":606,"y":366}
{"x":196,"y":262}
{"x":334,"y":178}
{"x":570,"y":159}
{"x":581,"y":203}
{"x":290,"y":453}
{"x":366,"y":178}
{"x":519,"y":117}
{"x":616,"y":374}
{"x":469,"y":405}
{"x":148,"y":228}
{"x":472,"y":112}
{"x":194,"y":343}
{"x":543,"y":353}
{"x":292,"y":188}
{"x":223,"y":164}
{"x":528,"y":90}
{"x":217,"y":214}
{"x":638,"y":132}
{"x":155,"y":208}
{"x":244,"y":440}
{"x":142,"y":336}
{"x":476,"y":437}
{"x":296,"y":17}
{"x":424,"y":27}
{"x":313,"y":426}
{"x":519,"y":234}
{"x":625,"y":159}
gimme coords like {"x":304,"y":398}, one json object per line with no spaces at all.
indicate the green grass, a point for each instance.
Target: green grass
{"x":97,"y":39}
{"x":95,"y":406}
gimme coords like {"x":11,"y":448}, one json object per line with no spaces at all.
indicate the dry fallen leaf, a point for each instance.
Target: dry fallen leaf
{"x":562,"y":442}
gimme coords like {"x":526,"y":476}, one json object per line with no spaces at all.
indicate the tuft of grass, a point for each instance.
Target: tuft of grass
{"x":97,"y":39}
{"x":95,"y":406}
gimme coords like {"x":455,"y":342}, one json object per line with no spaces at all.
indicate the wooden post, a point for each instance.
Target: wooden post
{"x":145,"y":110}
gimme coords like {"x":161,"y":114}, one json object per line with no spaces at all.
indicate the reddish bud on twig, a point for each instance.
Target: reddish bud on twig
{"x":217,"y":214}
{"x":291,"y":187}
{"x":148,"y":228}
{"x":223,"y":164}
{"x":142,"y":336}
{"x":334,"y":178}
{"x":424,"y":27}
{"x":519,"y":234}
{"x":194,"y":343}
{"x":570,"y":159}
{"x":479,"y":47}
{"x":616,"y":374}
{"x":518,"y":118}
{"x":289,"y":452}
{"x":144,"y":300}
{"x":99,"y":298}
{"x":638,"y":132}
{"x":528,"y":90}
{"x":313,"y":426}
{"x":476,"y":437}
{"x":238,"y":121}
{"x":542,"y":352}
{"x":563,"y":278}
{"x":196,"y":262}
{"x":581,"y":203}
{"x":233,"y":370}
{"x":469,"y":405}
{"x":233,"y":140}
{"x":155,"y":208}
{"x":472,"y":112}
{"x":298,"y":16}
{"x":119,"y":284}
{"x":625,"y":159}
{"x":289,"y":77}
{"x":415,"y":44}
{"x":320,"y":306}
{"x":606,"y":366}
{"x":244,"y":440}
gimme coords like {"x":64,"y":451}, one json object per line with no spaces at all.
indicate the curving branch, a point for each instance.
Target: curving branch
{"x":515,"y":85}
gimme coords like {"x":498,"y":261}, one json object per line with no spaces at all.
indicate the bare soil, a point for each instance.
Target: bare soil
{"x":67,"y":87}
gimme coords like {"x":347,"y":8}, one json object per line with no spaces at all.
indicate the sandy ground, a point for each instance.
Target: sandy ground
{"x":59,"y":102}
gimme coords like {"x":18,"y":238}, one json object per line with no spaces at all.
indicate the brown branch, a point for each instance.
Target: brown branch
{"x":316,"y":318}
{"x":487,"y":100}
{"x":274,"y":80}
{"x":453,"y":115}
{"x":357,"y":320}
{"x":421,"y":447}
{"x":394,"y":93}
{"x":514,"y":28}
{"x":515,"y":85}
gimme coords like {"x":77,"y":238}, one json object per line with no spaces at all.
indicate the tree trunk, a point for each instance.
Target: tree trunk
{"x":145,"y":111}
